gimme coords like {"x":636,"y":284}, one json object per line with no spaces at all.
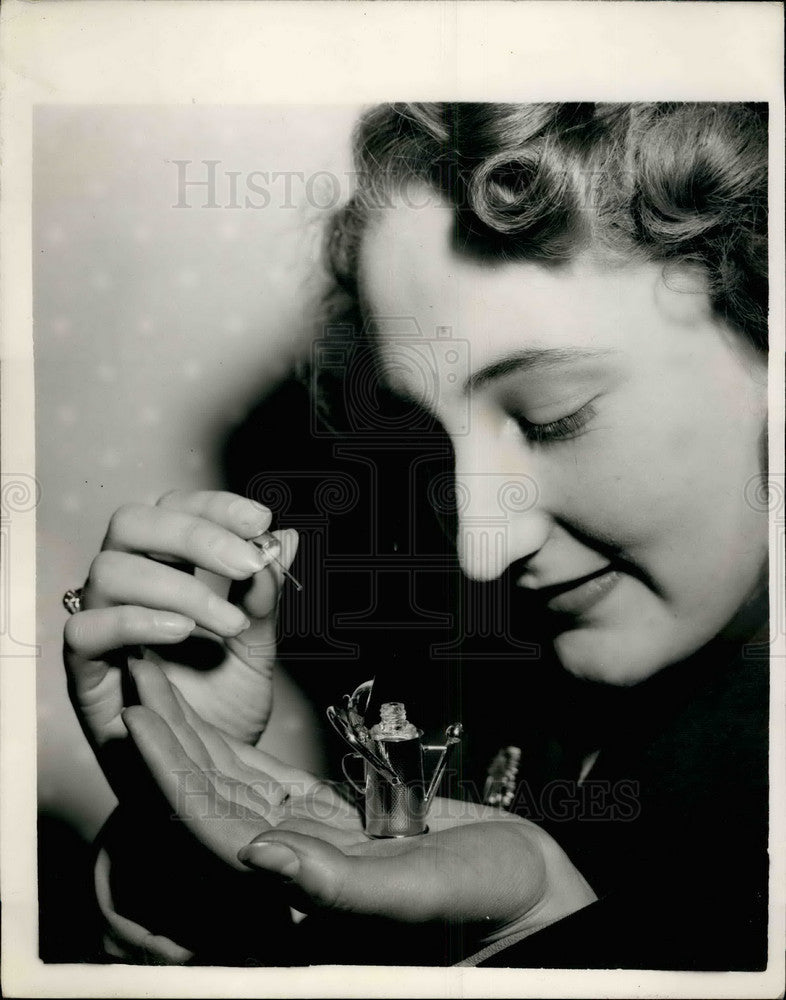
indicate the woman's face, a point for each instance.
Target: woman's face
{"x":629,"y":421}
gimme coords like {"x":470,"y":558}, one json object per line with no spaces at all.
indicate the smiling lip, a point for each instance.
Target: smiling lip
{"x":578,"y":596}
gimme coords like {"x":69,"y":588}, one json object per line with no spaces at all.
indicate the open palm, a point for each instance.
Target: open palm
{"x":483,"y":866}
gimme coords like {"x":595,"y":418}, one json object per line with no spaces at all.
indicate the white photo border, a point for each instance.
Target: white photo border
{"x":295,"y":53}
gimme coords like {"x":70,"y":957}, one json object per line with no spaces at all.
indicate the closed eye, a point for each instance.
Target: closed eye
{"x":563,"y":429}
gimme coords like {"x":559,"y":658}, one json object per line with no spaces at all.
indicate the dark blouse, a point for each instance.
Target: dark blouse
{"x":678,"y":856}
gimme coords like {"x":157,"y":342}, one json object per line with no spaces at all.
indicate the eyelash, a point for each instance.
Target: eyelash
{"x":557,"y":430}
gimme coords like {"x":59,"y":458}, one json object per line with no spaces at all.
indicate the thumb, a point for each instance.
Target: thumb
{"x":316,"y":870}
{"x":410,"y":886}
{"x":259,"y":595}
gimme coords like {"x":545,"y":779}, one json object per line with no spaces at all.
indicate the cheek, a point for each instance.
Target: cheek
{"x":667,"y":491}
{"x":623,"y":486}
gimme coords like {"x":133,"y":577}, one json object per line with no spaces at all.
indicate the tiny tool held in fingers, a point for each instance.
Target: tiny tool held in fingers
{"x":271,"y":546}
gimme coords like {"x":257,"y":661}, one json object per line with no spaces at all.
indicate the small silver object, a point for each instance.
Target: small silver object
{"x":503,"y":772}
{"x":396,"y":798}
{"x":72,"y":601}
{"x":271,"y":547}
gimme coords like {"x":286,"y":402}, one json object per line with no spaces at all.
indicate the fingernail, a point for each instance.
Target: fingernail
{"x":229,"y":618}
{"x":250,"y":514}
{"x":173,"y":624}
{"x":268,"y":553}
{"x":239,"y":565}
{"x":273,"y":857}
{"x":252,"y":560}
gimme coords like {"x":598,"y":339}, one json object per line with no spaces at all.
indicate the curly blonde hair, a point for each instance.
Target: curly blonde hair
{"x":682,"y":183}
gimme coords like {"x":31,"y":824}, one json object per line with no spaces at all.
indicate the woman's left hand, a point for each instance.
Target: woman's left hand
{"x":497,"y":873}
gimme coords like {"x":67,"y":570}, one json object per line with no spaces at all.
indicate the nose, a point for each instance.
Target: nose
{"x":501,"y":517}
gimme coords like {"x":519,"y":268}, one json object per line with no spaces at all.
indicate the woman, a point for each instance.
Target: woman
{"x":604,"y":267}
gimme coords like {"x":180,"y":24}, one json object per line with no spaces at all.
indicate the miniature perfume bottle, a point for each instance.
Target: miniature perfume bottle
{"x":396,"y":797}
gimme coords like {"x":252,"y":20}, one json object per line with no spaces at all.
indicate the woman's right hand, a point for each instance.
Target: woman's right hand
{"x":141,"y":591}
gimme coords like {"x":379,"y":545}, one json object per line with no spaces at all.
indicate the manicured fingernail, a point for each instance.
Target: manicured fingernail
{"x":273,"y":857}
{"x":239,"y":564}
{"x":174,"y":624}
{"x":251,"y":560}
{"x":268,"y":554}
{"x":229,"y":618}
{"x":250,"y":514}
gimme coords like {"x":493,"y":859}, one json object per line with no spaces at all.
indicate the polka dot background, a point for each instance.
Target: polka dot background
{"x":168,"y":297}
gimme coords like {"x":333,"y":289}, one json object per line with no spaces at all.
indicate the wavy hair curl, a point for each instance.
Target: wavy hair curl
{"x":679,"y":183}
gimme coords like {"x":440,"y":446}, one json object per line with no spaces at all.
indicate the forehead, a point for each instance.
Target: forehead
{"x":410,"y":267}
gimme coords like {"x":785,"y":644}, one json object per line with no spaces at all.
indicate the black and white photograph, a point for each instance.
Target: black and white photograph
{"x":393,"y":501}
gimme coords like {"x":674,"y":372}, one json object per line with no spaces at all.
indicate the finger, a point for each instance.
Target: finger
{"x":123,"y":578}
{"x":226,"y":760}
{"x":293,"y":779}
{"x":251,"y":796}
{"x":241,"y":515}
{"x":92,"y":635}
{"x":155,"y":692}
{"x":203,"y":743}
{"x":239,"y":786}
{"x":126,"y":932}
{"x":259,"y":594}
{"x":184,"y":537}
{"x":217,"y":823}
{"x":413,"y":886}
{"x":343,"y":837}
{"x":323,"y":804}
{"x":91,"y":643}
{"x":290,"y":541}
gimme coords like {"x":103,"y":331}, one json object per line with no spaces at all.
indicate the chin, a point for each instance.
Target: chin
{"x":611,"y":656}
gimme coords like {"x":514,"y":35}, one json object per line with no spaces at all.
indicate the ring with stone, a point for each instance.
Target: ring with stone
{"x":72,"y":601}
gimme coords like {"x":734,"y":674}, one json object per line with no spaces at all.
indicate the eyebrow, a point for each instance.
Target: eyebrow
{"x":528,"y":360}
